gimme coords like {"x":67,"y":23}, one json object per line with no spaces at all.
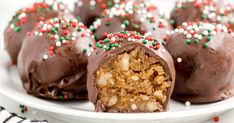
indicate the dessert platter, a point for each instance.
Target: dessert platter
{"x":121,"y":60}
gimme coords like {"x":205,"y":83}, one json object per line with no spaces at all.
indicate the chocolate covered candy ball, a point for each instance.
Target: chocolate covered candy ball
{"x":214,"y":11}
{"x":24,"y":22}
{"x":203,"y":56}
{"x":129,"y":72}
{"x":53,"y":60}
{"x":140,"y":16}
{"x":89,"y":10}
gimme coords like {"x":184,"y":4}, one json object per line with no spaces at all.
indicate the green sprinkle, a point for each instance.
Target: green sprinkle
{"x":53,"y":30}
{"x":107,"y":40}
{"x":203,"y":16}
{"x":172,"y":22}
{"x":123,"y":32}
{"x":109,"y":4}
{"x":184,"y":7}
{"x":188,"y":41}
{"x":61,"y":97}
{"x":144,"y":42}
{"x":67,"y":37}
{"x":49,"y":35}
{"x":98,"y":45}
{"x":21,"y":106}
{"x":154,"y":43}
{"x":116,"y":45}
{"x":126,"y":23}
{"x":84,"y":50}
{"x":62,"y":38}
{"x":39,"y":9}
{"x":107,"y":23}
{"x":17,"y":29}
{"x":196,"y":41}
{"x":121,"y":39}
{"x":108,"y":47}
{"x":17,"y":19}
{"x":90,"y":45}
{"x":78,"y":18}
{"x":135,"y":26}
{"x":205,"y":45}
{"x":208,"y":38}
{"x":79,"y":29}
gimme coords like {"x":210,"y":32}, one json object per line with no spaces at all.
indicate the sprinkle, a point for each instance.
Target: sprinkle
{"x":205,"y":45}
{"x":179,"y":60}
{"x":45,"y":56}
{"x":188,"y":41}
{"x":187,"y":104}
{"x":216,"y":119}
{"x":17,"y":29}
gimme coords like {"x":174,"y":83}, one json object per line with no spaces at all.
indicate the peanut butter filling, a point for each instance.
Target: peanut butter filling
{"x":133,"y":81}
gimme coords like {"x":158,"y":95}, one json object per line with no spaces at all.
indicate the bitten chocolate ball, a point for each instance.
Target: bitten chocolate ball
{"x":214,"y":11}
{"x":140,"y":16}
{"x":89,"y":10}
{"x":130,"y":73}
{"x":24,"y":22}
{"x":203,"y":56}
{"x":53,"y":60}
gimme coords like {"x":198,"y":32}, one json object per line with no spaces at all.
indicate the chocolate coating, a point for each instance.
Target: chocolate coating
{"x":214,"y":11}
{"x":204,"y":64}
{"x":24,"y":22}
{"x":100,"y":56}
{"x":140,"y":16}
{"x":53,"y":60}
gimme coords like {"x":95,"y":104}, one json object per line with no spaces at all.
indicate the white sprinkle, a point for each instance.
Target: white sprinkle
{"x":80,"y":3}
{"x":142,"y":20}
{"x":12,"y":26}
{"x":58,"y":43}
{"x":56,"y":36}
{"x":113,"y":39}
{"x":123,"y":26}
{"x":40,"y":34}
{"x":187,"y":104}
{"x":179,"y":60}
{"x":199,"y":37}
{"x":74,"y":34}
{"x":73,"y":38}
{"x":189,"y":35}
{"x":45,"y":56}
{"x":36,"y":33}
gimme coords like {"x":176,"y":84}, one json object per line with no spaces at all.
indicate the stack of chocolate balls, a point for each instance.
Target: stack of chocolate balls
{"x":123,"y":55}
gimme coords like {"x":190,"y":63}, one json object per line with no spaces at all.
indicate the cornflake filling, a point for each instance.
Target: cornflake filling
{"x":133,"y":81}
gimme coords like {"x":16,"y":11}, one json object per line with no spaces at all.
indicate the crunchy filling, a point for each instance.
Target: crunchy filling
{"x":133,"y":81}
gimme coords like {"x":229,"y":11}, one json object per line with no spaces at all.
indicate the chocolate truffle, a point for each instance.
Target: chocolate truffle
{"x":203,"y":56}
{"x":89,"y":10}
{"x":140,"y":16}
{"x":214,"y":11}
{"x":128,"y":72}
{"x":25,"y":20}
{"x":53,"y":60}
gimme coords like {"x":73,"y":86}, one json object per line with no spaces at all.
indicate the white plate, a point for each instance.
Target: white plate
{"x":71,"y":111}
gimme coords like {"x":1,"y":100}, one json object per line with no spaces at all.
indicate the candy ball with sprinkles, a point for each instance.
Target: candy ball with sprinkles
{"x":88,"y":10}
{"x":24,"y":21}
{"x":128,"y":72}
{"x":215,"y":11}
{"x":52,"y":62}
{"x":203,"y":56}
{"x":140,"y":16}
